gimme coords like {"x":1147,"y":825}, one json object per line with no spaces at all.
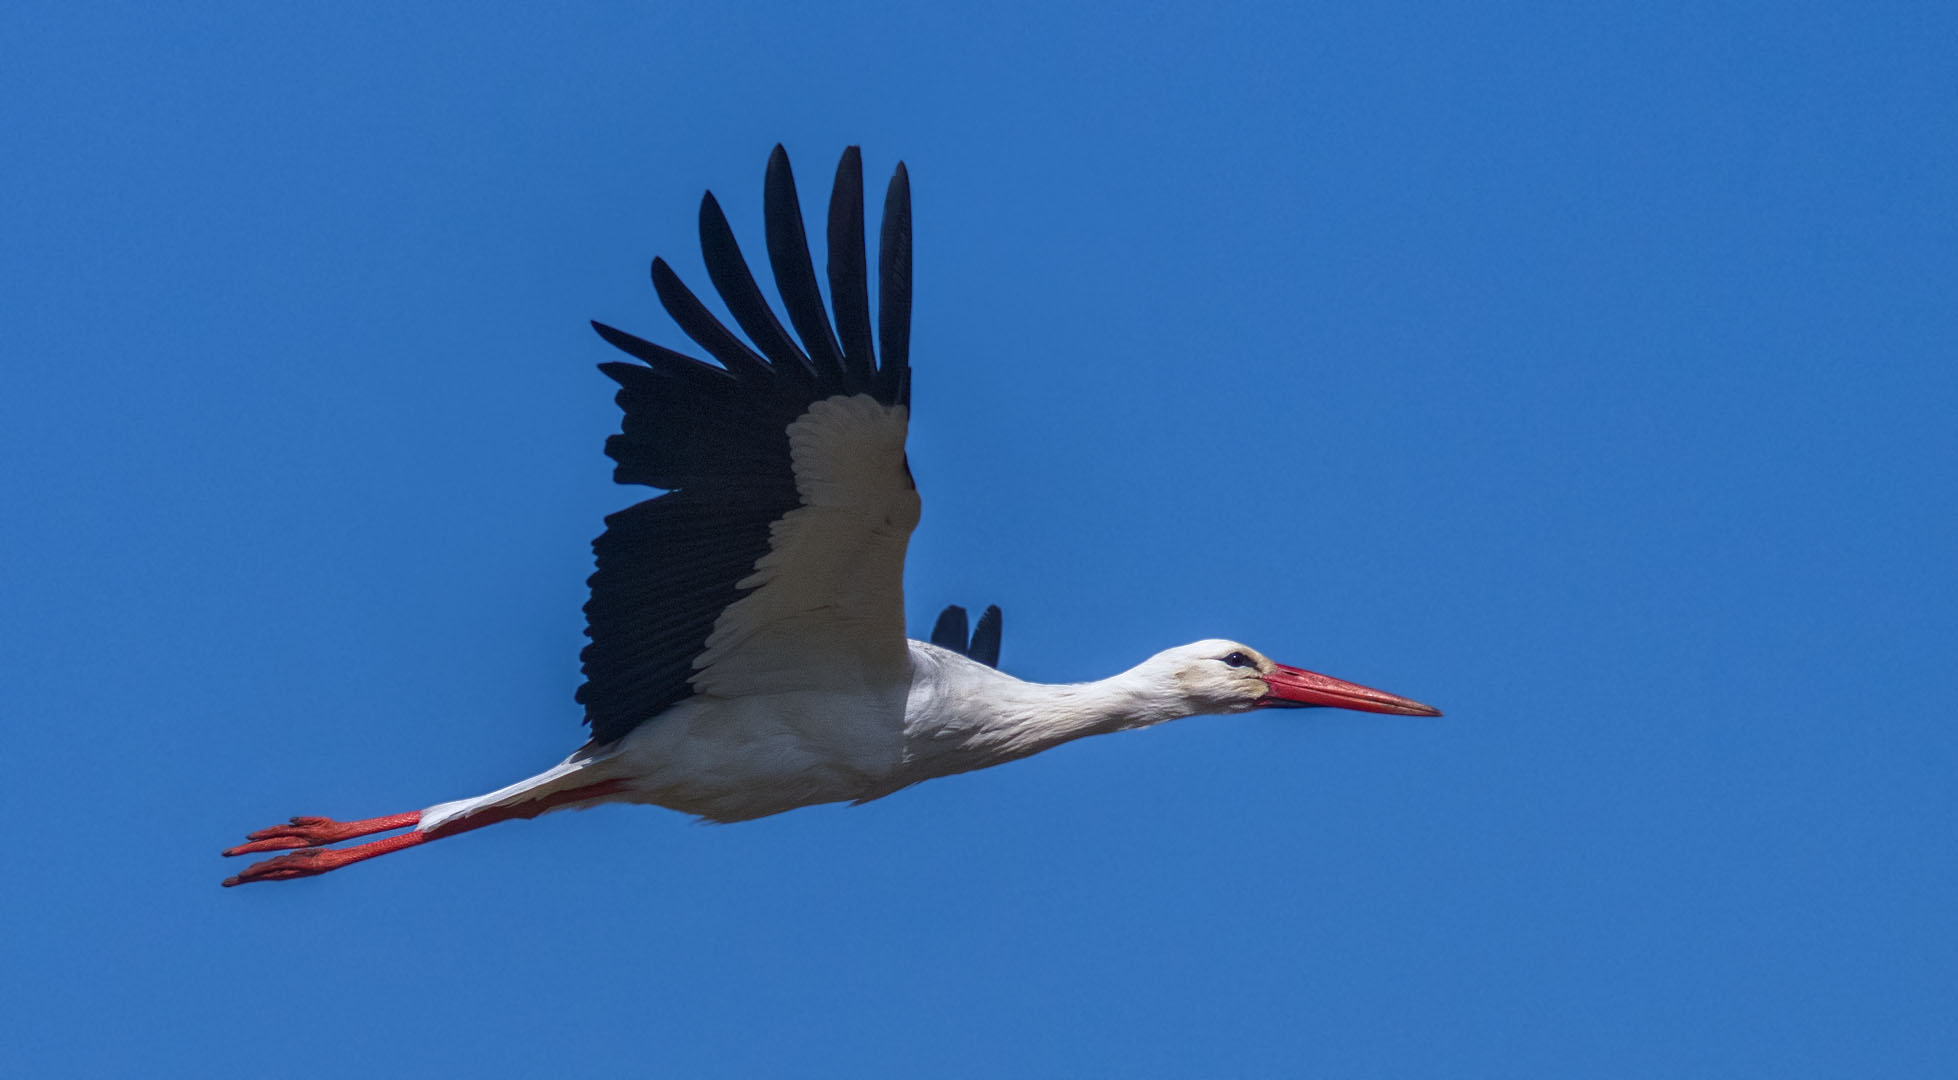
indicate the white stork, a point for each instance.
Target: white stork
{"x":748,"y":653}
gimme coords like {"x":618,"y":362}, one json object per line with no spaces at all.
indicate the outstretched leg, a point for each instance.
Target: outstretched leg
{"x":312,"y":861}
{"x":307,"y":833}
{"x":304,"y":832}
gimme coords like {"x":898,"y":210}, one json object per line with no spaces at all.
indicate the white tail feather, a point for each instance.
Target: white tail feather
{"x":571,"y":772}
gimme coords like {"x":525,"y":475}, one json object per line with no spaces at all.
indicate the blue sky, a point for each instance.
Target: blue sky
{"x":1587,"y":373}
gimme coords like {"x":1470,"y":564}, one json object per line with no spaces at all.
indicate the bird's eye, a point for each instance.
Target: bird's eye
{"x":1238,"y":659}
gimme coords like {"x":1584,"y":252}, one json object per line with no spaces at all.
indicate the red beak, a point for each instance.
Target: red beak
{"x":1294,"y":688}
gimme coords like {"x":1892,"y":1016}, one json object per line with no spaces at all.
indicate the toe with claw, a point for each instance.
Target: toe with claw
{"x":318,"y":860}
{"x":307,"y":832}
{"x":295,"y":864}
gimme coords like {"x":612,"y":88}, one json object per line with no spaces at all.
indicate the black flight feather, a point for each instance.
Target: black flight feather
{"x":985,"y":637}
{"x":849,"y":285}
{"x":795,"y":275}
{"x":894,"y":291}
{"x":983,"y":644}
{"x":694,"y":320}
{"x":950,"y":631}
{"x":732,"y":279}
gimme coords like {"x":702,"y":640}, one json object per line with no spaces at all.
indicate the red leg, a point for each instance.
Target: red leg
{"x":318,"y":860}
{"x":307,"y":863}
{"x":306,"y":832}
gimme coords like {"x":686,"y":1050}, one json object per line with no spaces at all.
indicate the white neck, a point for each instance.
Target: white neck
{"x":969,"y":716}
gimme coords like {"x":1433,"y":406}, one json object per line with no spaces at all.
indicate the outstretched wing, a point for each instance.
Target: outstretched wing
{"x":775,"y":559}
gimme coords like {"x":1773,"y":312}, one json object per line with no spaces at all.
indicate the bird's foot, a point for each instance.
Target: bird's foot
{"x":318,"y":860}
{"x":295,"y":864}
{"x":308,"y":832}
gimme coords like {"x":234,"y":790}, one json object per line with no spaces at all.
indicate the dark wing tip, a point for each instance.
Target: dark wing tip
{"x":728,"y":270}
{"x":894,"y":290}
{"x":698,"y":323}
{"x":985,"y":637}
{"x":658,"y":358}
{"x":949,"y":631}
{"x":795,"y":273}
{"x":849,"y":279}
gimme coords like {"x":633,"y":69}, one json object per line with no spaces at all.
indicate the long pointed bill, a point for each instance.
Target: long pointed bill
{"x":1295,"y":688}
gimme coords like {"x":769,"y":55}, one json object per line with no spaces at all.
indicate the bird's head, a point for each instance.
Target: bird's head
{"x":1219,"y":676}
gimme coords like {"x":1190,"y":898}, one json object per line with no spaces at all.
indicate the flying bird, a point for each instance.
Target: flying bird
{"x":748,"y":651}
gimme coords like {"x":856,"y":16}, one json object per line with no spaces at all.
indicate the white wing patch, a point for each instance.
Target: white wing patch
{"x":827,"y":610}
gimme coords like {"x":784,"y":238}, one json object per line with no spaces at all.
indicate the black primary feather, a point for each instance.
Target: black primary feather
{"x":949,"y":631}
{"x":706,"y":331}
{"x":983,"y":643}
{"x":717,"y":437}
{"x":894,"y":290}
{"x":736,"y":283}
{"x":795,"y":275}
{"x":849,"y":284}
{"x":985,"y":637}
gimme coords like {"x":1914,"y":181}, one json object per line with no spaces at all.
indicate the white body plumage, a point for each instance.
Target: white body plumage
{"x":737,"y":758}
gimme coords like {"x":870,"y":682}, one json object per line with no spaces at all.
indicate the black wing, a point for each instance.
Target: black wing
{"x":716,"y":435}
